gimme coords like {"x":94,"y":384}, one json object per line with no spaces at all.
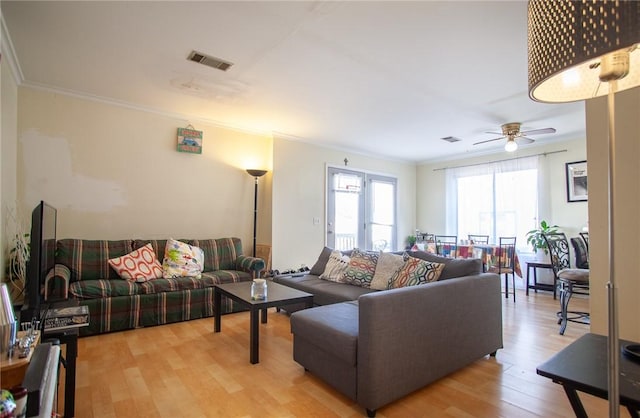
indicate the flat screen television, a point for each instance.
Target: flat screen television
{"x":41,"y":259}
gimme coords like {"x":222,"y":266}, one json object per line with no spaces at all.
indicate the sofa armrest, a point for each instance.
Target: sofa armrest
{"x":249,"y":264}
{"x":413,"y":336}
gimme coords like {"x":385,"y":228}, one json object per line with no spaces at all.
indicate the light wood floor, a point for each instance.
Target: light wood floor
{"x":185,"y":370}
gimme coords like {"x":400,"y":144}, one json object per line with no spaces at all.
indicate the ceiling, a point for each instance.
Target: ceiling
{"x":381,"y":78}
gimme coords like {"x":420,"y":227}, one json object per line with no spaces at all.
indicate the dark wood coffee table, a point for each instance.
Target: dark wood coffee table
{"x":582,"y":366}
{"x":277,"y":296}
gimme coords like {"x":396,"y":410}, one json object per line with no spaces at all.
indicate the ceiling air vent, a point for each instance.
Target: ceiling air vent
{"x":451,"y":139}
{"x":209,"y":61}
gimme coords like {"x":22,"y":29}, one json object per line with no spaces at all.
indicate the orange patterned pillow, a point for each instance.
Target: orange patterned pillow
{"x":414,"y":272}
{"x":139,"y":265}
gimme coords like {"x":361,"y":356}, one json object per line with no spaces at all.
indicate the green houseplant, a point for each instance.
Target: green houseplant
{"x":17,"y":256}
{"x":411,"y":240}
{"x":535,"y":238}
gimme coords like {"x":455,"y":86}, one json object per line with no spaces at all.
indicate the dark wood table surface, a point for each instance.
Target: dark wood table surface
{"x":583,"y":366}
{"x":277,"y":296}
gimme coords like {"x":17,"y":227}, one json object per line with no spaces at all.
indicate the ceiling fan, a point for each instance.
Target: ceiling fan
{"x":514,"y":136}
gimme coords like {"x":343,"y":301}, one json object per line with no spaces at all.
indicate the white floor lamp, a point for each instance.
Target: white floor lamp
{"x":580,"y":50}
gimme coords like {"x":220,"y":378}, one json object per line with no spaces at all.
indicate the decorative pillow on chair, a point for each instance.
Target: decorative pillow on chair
{"x":139,"y":265}
{"x":362,"y":267}
{"x":336,"y":266}
{"x":182,"y":260}
{"x":388,"y":265}
{"x":415,"y":271}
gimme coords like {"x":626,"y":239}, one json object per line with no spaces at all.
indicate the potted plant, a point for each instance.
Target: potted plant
{"x":16,"y":267}
{"x":411,"y":240}
{"x":535,"y":238}
{"x":17,"y":257}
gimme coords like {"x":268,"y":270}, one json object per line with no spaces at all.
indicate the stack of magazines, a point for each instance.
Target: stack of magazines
{"x":66,"y":317}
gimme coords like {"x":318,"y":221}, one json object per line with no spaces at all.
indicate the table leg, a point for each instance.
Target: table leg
{"x":264,"y":316}
{"x":217,"y":302}
{"x":70,"y":376}
{"x":527,"y":285}
{"x":576,"y":404}
{"x":506,"y":286}
{"x":254,"y":340}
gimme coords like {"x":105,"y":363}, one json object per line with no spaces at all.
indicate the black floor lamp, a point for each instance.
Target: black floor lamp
{"x":256,"y":175}
{"x":580,"y":50}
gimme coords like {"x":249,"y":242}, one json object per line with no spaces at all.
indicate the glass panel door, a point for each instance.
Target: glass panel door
{"x":361,"y":210}
{"x":383,"y":214}
{"x":345,"y":202}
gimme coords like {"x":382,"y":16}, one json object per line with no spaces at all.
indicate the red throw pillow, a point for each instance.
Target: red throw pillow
{"x":139,"y":265}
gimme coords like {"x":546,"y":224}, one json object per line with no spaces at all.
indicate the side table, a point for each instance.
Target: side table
{"x":539,"y":286}
{"x":12,"y":370}
{"x":582,"y":367}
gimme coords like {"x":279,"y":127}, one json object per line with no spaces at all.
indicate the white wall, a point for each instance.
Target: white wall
{"x":626,"y":206}
{"x":8,"y":152}
{"x":114,"y":172}
{"x":571,"y":217}
{"x":299,"y":196}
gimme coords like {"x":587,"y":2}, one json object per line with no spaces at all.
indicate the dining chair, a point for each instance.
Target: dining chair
{"x":581,"y":252}
{"x":446,"y":245}
{"x":478,"y":239}
{"x":505,"y":261}
{"x":585,"y":238}
{"x":570,"y":280}
{"x":426,"y":237}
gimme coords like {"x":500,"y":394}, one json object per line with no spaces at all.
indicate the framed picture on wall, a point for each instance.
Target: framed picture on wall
{"x":577,"y":181}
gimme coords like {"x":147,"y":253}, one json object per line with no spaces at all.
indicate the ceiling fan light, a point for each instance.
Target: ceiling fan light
{"x":511,"y":145}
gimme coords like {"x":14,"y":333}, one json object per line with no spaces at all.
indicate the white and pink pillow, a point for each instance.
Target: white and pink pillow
{"x":182,"y":260}
{"x":140,"y":265}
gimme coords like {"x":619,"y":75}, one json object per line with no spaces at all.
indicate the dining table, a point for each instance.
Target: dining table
{"x":488,"y":253}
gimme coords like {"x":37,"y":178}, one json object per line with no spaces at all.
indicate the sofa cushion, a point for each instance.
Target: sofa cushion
{"x":453,"y":267}
{"x":388,"y":264}
{"x":362,"y":266}
{"x":221,"y":253}
{"x":92,"y":289}
{"x":321,"y":262}
{"x":324,"y":292}
{"x":139,"y":265}
{"x":227,"y":276}
{"x":103,"y":288}
{"x":159,"y":245}
{"x":332,"y":328}
{"x":336,"y":267}
{"x":182,"y":260}
{"x":415,"y":271}
{"x":89,"y":259}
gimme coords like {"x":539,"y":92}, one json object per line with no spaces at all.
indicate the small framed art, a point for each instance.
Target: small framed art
{"x":577,"y":181}
{"x":189,"y":140}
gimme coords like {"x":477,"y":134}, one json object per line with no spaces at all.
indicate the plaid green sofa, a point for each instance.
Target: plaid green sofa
{"x":116,"y":304}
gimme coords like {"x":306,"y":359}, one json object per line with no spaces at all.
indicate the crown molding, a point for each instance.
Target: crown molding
{"x":9,"y":53}
{"x":128,"y":105}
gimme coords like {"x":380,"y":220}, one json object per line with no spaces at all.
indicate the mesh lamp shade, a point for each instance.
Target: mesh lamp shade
{"x":576,"y":47}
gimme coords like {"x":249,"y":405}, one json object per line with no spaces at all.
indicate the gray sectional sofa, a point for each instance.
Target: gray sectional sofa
{"x":378,"y":346}
{"x":326,"y":292}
